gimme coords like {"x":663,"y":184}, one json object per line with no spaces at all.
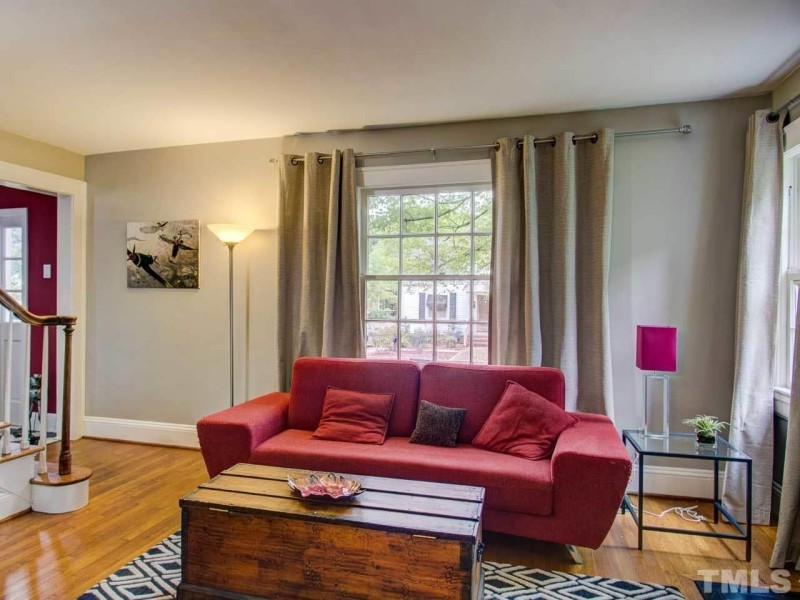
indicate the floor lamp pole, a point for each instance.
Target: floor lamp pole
{"x":230,"y":235}
{"x":230,"y":246}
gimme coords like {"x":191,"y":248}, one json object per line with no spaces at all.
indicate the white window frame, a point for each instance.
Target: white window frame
{"x":20,"y":217}
{"x":790,"y":271}
{"x":410,"y":177}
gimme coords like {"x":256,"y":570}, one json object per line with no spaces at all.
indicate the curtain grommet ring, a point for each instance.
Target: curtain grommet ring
{"x":320,"y":160}
{"x":294,"y":162}
{"x":574,"y":141}
{"x":497,"y":147}
{"x":595,"y":138}
{"x":553,"y":143}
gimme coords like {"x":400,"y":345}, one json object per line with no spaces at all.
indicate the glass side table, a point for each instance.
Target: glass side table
{"x":682,"y":445}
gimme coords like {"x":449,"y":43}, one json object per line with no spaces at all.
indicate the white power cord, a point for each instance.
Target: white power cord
{"x":687,"y":513}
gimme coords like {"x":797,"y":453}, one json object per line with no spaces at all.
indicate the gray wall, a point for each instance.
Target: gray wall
{"x":161,"y":355}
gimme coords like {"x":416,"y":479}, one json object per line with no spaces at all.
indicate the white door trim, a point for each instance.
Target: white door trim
{"x":72,"y":233}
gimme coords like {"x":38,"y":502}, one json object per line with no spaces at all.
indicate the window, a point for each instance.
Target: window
{"x":790,"y":270}
{"x":13,"y":222}
{"x":12,"y":262}
{"x":426,"y":257}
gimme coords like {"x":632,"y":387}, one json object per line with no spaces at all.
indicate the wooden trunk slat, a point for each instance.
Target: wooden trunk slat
{"x":280,"y":559}
{"x":383,"y":484}
{"x":404,"y":503}
{"x":297,"y":508}
{"x":246,"y":536}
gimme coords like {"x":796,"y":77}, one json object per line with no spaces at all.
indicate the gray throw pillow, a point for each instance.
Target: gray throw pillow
{"x":437,"y":425}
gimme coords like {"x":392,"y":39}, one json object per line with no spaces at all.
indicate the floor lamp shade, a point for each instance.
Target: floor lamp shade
{"x":229,"y":233}
{"x":657,"y":348}
{"x":656,"y":352}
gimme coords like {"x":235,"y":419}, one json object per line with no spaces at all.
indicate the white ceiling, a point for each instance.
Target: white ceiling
{"x":106,"y":75}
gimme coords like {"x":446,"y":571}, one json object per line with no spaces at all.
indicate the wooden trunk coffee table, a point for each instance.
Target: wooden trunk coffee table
{"x":246,"y":535}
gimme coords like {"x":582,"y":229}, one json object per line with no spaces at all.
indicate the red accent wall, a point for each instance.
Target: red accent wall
{"x":42,"y":250}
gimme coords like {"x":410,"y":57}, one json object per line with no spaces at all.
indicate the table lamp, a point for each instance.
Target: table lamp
{"x":656,"y":351}
{"x":230,"y":235}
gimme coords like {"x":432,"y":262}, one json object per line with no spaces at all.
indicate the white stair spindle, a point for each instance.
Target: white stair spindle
{"x":25,"y":442}
{"x":9,"y":329}
{"x":43,"y":400}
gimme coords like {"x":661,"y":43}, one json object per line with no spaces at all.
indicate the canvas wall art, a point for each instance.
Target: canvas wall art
{"x":163,"y":254}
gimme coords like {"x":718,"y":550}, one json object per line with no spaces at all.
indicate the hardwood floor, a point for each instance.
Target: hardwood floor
{"x":133,"y":503}
{"x":134,"y":493}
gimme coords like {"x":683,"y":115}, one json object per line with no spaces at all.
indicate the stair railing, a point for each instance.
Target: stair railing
{"x":12,"y":307}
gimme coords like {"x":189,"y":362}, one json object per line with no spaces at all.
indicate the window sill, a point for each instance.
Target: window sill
{"x":782,"y":398}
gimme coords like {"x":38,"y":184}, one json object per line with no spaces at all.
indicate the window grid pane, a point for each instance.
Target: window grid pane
{"x":12,"y":274}
{"x":13,"y":242}
{"x":426,"y":290}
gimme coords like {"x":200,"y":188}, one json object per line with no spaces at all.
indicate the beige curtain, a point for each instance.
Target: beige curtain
{"x":787,"y":540}
{"x":550,"y":262}
{"x":752,"y":407}
{"x":319,"y":303}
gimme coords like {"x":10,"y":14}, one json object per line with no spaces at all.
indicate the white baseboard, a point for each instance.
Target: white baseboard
{"x":674,"y":481}
{"x":146,"y":432}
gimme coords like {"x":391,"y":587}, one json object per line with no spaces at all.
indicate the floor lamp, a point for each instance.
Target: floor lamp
{"x":230,"y":235}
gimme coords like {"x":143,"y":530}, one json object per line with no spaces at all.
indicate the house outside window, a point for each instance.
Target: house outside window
{"x":426,"y":254}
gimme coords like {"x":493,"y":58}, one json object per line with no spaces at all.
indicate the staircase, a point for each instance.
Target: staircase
{"x":27,"y":480}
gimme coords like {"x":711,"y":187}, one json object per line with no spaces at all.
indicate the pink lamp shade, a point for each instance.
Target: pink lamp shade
{"x":657,"y":348}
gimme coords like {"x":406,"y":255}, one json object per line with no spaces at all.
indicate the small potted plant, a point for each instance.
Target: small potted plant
{"x":705,"y":428}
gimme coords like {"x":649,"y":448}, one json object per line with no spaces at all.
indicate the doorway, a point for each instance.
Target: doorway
{"x":69,"y":196}
{"x":29,"y":270}
{"x":28,"y":273}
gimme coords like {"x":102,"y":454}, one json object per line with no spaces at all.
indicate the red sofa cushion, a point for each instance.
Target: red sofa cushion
{"x":479,"y":387}
{"x":349,"y":416}
{"x":523,"y":424}
{"x":512,"y":484}
{"x":312,"y":376}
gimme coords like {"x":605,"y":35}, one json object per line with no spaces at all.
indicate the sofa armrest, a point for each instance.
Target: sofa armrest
{"x":229,"y":436}
{"x":591,"y":469}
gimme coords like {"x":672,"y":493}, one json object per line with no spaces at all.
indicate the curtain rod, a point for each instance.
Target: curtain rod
{"x":776,"y":114}
{"x":685,"y":129}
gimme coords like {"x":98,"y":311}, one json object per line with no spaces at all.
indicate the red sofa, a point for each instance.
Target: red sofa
{"x":570,"y":498}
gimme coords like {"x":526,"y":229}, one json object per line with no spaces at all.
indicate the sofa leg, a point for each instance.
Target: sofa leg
{"x":575,"y":553}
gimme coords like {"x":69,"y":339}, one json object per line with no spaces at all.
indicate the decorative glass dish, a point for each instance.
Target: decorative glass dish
{"x":327,"y":484}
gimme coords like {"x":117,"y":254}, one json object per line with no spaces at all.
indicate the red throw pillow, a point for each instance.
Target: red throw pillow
{"x":349,"y":416}
{"x":523,"y":424}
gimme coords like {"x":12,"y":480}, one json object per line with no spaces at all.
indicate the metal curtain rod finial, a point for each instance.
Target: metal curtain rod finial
{"x":593,"y":137}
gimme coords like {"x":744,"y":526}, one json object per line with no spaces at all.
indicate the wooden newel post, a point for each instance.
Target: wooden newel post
{"x":65,"y":456}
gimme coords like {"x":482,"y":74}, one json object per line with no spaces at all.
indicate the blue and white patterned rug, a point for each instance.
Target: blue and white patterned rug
{"x":155,"y":575}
